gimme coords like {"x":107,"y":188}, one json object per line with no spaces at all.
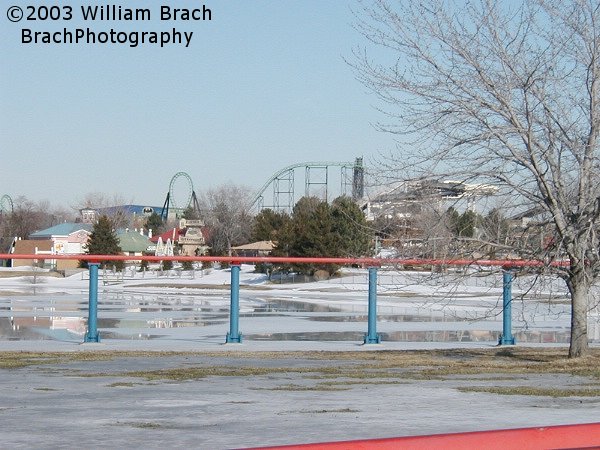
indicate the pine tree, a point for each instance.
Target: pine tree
{"x":267,"y":224}
{"x":468,"y":222}
{"x":351,"y":232}
{"x":104,"y":241}
{"x":317,"y":229}
{"x":154,"y":223}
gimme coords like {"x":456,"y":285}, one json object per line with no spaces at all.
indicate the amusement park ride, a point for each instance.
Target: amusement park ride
{"x":285,"y":189}
{"x":180,"y":180}
{"x":181,"y":194}
{"x":283,"y":186}
{"x":189,"y":236}
{"x":316,"y":175}
{"x":6,"y":204}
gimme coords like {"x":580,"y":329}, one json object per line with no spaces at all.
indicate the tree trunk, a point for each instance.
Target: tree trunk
{"x":579,"y":289}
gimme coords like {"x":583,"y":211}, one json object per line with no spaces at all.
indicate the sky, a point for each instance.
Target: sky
{"x":262,"y":85}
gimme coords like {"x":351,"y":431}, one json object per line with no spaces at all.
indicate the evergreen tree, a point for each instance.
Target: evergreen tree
{"x":154,"y":223}
{"x":104,"y":241}
{"x":350,"y":229}
{"x":144,"y":266}
{"x":467,"y":223}
{"x":463,"y":225}
{"x":317,"y":229}
{"x":452,"y":220}
{"x":267,"y":225}
{"x":313,"y":237}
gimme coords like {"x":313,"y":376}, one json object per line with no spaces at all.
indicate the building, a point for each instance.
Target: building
{"x":136,"y":213}
{"x":191,"y":241}
{"x":31,"y":247}
{"x":254,"y":249}
{"x":134,"y":243}
{"x":187,"y":238}
{"x":62,"y":239}
{"x":410,"y":198}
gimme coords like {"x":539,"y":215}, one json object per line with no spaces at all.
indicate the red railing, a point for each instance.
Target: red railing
{"x":536,"y":438}
{"x":376,"y":262}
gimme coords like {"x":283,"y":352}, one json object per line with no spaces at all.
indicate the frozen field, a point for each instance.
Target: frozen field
{"x":232,"y":400}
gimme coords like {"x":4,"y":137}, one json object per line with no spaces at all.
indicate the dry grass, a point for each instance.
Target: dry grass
{"x":329,"y":411}
{"x":443,"y":363}
{"x":195,"y":373}
{"x":297,"y":387}
{"x":342,"y":370}
{"x":355,"y":364}
{"x":151,"y":425}
{"x":122,"y":384}
{"x":534,"y":391}
{"x":15,"y":360}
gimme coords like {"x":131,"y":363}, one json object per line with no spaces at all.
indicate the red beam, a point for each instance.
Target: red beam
{"x":300,"y":260}
{"x":296,"y":260}
{"x":555,"y":437}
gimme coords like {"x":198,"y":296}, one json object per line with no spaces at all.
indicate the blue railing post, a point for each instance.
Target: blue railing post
{"x":506,"y":338}
{"x":234,"y":335}
{"x":92,"y":334}
{"x":372,"y":337}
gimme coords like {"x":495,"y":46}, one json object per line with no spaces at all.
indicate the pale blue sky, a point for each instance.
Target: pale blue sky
{"x":263,"y":85}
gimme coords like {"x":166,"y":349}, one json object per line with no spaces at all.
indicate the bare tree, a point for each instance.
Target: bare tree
{"x":28,"y":217}
{"x":437,"y":237}
{"x":227,"y":216}
{"x":501,"y":93}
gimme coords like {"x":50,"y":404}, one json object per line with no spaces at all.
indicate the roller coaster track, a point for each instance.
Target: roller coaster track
{"x":6,"y":204}
{"x":285,"y":175}
{"x":190,"y":196}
